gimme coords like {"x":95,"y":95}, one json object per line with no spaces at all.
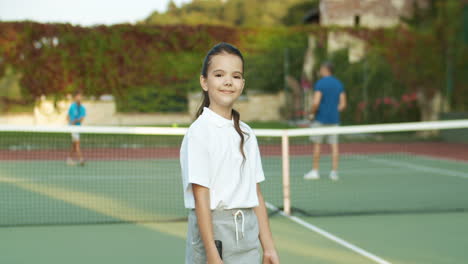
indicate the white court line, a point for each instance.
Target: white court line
{"x":419,"y":167}
{"x":433,"y":158}
{"x":332,"y":237}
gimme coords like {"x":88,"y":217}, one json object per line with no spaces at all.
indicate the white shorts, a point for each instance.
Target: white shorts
{"x":75,"y":136}
{"x":331,"y":139}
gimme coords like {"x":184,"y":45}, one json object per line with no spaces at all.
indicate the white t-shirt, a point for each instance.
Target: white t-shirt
{"x":210,"y":157}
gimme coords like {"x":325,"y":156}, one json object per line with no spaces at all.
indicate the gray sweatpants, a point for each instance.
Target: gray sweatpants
{"x":241,"y":249}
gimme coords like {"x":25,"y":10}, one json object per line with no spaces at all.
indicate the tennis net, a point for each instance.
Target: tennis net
{"x":382,"y":169}
{"x":129,"y":175}
{"x":132,"y":174}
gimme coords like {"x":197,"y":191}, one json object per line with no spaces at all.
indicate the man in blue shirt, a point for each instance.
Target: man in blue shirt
{"x":76,"y":115}
{"x":329,"y":100}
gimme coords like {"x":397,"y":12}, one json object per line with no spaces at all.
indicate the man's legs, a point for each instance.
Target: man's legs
{"x":316,"y":157}
{"x":75,"y":149}
{"x":314,"y":173}
{"x":70,"y":154}
{"x":335,"y":160}
{"x":78,"y":152}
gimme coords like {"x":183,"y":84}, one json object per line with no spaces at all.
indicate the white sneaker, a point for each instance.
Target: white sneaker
{"x":312,"y":175}
{"x":70,"y":162}
{"x":334,"y":176}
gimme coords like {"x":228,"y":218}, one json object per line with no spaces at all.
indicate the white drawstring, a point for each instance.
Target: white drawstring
{"x":239,"y":212}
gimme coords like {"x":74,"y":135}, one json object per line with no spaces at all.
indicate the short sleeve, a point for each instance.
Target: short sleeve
{"x":318,"y":87}
{"x":197,"y":167}
{"x":70,"y":110}
{"x":257,"y":160}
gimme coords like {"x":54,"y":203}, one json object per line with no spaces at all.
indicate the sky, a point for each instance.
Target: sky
{"x":81,"y":12}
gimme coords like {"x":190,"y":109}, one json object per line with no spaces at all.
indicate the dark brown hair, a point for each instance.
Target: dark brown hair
{"x":221,"y":48}
{"x":328,"y":65}
{"x":77,"y":92}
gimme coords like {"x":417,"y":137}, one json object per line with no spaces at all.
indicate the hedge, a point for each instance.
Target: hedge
{"x":152,"y":68}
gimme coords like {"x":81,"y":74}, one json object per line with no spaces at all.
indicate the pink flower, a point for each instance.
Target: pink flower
{"x":362,"y":105}
{"x":408,"y":98}
{"x":378,"y":101}
{"x":405,"y":98}
{"x":395,"y":104}
{"x":305,"y":84}
{"x":388,"y":100}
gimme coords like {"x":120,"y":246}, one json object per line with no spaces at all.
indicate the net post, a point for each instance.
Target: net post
{"x":286,"y":182}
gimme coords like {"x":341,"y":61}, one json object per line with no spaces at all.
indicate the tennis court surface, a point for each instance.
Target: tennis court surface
{"x":402,"y":196}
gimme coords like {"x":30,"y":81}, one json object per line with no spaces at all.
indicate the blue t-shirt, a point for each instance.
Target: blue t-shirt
{"x":76,"y":112}
{"x":331,"y":88}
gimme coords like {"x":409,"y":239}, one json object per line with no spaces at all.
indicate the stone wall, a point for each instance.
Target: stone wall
{"x":340,"y":40}
{"x":17,"y":119}
{"x":254,"y":107}
{"x":102,"y":113}
{"x":372,"y":13}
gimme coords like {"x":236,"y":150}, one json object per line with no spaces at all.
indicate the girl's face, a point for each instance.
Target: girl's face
{"x":224,"y":82}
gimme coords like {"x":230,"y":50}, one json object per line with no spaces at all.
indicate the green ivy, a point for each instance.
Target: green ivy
{"x":152,"y":68}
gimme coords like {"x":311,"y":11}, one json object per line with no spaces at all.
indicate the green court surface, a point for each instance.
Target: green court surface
{"x":408,"y":239}
{"x":400,"y":207}
{"x":151,"y":243}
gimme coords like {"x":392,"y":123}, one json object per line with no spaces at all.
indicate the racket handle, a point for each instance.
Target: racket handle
{"x":219,"y":247}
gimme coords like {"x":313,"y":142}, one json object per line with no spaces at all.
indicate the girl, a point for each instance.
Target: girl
{"x":221,"y":172}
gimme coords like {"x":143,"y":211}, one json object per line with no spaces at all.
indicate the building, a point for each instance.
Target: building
{"x":358,"y":13}
{"x":365,"y":13}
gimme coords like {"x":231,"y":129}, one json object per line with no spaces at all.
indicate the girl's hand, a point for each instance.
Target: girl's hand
{"x":218,"y":261}
{"x":213,"y":258}
{"x":270,"y":257}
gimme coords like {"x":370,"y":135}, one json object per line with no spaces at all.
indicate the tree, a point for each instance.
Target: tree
{"x":425,"y":54}
{"x":171,"y":7}
{"x":250,"y":13}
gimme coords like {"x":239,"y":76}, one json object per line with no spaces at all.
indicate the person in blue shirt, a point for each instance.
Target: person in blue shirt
{"x":76,"y":115}
{"x":329,"y":100}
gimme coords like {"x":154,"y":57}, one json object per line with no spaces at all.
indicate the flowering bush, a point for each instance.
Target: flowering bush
{"x":146,"y":68}
{"x":390,"y":109}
